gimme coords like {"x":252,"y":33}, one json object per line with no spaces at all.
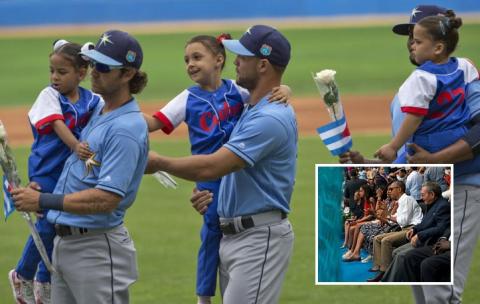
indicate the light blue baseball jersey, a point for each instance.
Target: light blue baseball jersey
{"x":468,"y":173}
{"x":119,"y":140}
{"x":265,"y":137}
{"x":49,"y":153}
{"x":473,"y":98}
{"x":397,"y":117}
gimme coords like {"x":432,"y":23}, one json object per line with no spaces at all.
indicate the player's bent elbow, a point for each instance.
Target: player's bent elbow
{"x":108,"y":202}
{"x":112,"y":203}
{"x":207,"y":174}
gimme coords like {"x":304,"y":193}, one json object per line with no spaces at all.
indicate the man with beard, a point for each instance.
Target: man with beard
{"x":93,"y":252}
{"x":467,"y":183}
{"x":461,"y":150}
{"x":258,"y":166}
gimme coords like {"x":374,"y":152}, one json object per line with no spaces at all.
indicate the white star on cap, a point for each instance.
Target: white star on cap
{"x":415,"y":11}
{"x":248,"y":30}
{"x":104,"y":39}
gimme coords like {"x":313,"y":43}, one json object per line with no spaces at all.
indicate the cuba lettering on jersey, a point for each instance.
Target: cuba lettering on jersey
{"x":210,"y":116}
{"x":437,"y":92}
{"x":49,"y":153}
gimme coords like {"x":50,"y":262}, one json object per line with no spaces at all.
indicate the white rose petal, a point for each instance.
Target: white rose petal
{"x":326,"y":76}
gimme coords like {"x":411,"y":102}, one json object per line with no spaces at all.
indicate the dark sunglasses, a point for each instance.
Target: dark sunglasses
{"x":103,"y":68}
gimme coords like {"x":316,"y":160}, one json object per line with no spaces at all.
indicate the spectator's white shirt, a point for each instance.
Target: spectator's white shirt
{"x":408,"y":212}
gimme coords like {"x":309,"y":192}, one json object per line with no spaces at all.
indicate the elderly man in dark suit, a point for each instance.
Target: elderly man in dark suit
{"x":434,"y":224}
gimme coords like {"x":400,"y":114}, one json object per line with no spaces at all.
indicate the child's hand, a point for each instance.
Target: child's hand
{"x":386,"y":153}
{"x":351,"y":157}
{"x":280,"y":94}
{"x":83,"y":151}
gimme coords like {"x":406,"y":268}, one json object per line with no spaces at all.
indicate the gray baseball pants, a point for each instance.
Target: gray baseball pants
{"x":466,"y":230}
{"x":253,"y":263}
{"x":94,"y":268}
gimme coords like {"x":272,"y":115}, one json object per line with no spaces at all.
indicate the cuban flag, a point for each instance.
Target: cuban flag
{"x":8,"y":206}
{"x":336,"y":136}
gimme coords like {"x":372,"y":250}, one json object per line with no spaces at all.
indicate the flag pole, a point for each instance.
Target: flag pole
{"x":9,"y":168}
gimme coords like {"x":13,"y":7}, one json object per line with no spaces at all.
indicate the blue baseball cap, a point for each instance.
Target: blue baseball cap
{"x":262,"y":41}
{"x":418,"y":13}
{"x":117,"y":49}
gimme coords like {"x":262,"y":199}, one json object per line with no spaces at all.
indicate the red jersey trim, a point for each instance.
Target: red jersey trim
{"x":167,"y":125}
{"x":42,"y":126}
{"x":415,"y":110}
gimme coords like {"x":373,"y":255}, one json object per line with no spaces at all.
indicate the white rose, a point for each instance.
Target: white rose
{"x":3,"y":133}
{"x":326,"y":76}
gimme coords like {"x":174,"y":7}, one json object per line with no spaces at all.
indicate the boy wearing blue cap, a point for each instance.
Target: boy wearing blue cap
{"x":93,"y":253}
{"x":258,"y":166}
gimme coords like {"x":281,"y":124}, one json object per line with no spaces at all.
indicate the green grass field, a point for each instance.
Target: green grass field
{"x":165,"y":230}
{"x":369,"y":60}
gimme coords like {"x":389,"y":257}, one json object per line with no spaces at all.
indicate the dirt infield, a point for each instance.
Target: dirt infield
{"x":337,"y":21}
{"x":200,"y":25}
{"x":365,"y":114}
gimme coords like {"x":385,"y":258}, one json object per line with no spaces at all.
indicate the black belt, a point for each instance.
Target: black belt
{"x":64,"y":230}
{"x":247,"y":223}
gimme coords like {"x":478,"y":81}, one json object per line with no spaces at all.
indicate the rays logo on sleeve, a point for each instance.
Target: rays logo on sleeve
{"x":336,"y":136}
{"x":8,"y":206}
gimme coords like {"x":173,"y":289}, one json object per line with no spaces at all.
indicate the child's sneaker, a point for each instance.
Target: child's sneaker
{"x":22,"y":289}
{"x":42,"y":292}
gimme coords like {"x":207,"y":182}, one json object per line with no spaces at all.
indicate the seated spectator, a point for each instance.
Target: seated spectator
{"x":414,"y":184}
{"x":436,"y":174}
{"x":401,"y":174}
{"x":368,"y":210}
{"x":385,"y":208}
{"x":419,"y":261}
{"x":351,"y":186}
{"x":362,"y":174}
{"x":434,"y":224}
{"x":381,"y":178}
{"x":436,"y":268}
{"x":409,"y":213}
{"x":355,"y":213}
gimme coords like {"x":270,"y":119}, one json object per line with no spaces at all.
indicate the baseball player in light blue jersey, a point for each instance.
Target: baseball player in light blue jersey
{"x":433,"y":95}
{"x":467,"y":183}
{"x":211,"y":108}
{"x":466,"y":207}
{"x":93,"y":252}
{"x":472,"y":100}
{"x":57,"y":117}
{"x":258,"y":166}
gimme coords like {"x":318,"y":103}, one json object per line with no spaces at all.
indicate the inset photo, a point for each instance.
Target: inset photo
{"x":384,"y":224}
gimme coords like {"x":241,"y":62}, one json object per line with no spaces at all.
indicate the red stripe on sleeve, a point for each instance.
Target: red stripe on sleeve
{"x":415,"y":110}
{"x":167,"y":125}
{"x":42,"y":125}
